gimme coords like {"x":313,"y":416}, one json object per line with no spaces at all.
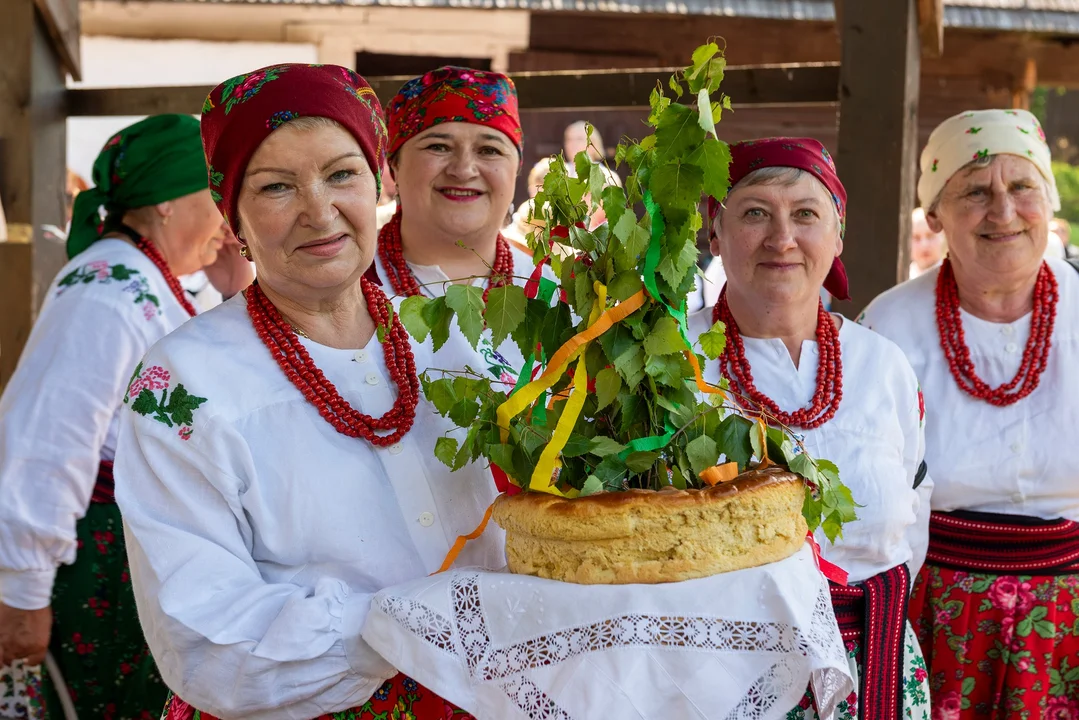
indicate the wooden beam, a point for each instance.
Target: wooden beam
{"x":1025,"y":85}
{"x":62,"y":20}
{"x":33,"y":174}
{"x":878,"y":106}
{"x":931,"y":27}
{"x":765,"y":85}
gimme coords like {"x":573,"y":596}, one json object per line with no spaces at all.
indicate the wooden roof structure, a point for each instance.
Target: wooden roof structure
{"x":867,"y":60}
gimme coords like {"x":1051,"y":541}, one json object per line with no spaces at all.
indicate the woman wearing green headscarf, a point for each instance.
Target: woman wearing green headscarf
{"x":63,"y":568}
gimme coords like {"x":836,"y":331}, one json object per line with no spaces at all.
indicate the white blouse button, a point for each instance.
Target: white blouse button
{"x":1017,"y":447}
{"x":396,"y":449}
{"x":1007,"y":330}
{"x":1018,"y":497}
{"x":427,"y":519}
{"x":1011,"y":347}
{"x":360,"y":356}
{"x":372,"y":379}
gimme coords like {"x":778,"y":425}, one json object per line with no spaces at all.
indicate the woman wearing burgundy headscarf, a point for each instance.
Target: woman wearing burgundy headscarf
{"x":848,"y":394}
{"x":275,"y":470}
{"x":455,"y":150}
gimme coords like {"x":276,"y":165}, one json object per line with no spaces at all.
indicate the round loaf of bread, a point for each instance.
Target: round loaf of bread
{"x":645,"y":536}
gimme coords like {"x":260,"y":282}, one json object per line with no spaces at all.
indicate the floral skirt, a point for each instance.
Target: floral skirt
{"x":915,"y":686}
{"x":20,"y":692}
{"x":96,"y":638}
{"x":999,"y":646}
{"x":399,"y":698}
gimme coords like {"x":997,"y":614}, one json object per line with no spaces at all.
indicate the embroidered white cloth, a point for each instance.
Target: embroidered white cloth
{"x":59,"y":413}
{"x":876,"y":439}
{"x":737,"y":646}
{"x":1016,"y":459}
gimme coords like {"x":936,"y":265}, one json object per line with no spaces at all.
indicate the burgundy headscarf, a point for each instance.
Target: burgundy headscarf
{"x":805,"y":154}
{"x":454,"y":94}
{"x":241,"y":112}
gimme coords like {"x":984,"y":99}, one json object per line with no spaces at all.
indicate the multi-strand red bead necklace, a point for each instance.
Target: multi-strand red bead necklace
{"x":829,"y":390}
{"x":150,"y":250}
{"x":391,"y":252}
{"x":285,"y":346}
{"x":1035,"y":354}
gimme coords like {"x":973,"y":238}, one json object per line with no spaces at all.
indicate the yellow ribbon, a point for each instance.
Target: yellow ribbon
{"x":543,"y":474}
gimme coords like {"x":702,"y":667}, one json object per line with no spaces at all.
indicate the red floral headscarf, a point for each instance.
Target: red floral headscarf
{"x":454,"y":94}
{"x":241,"y":112}
{"x":804,"y":154}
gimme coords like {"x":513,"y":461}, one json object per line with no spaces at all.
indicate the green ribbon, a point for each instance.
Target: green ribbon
{"x":651,"y":262}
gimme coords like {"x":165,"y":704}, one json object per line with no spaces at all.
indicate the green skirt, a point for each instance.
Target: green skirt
{"x":96,"y":638}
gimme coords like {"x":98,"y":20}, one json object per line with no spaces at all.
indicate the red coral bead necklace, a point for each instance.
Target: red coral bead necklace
{"x":391,"y":252}
{"x":829,"y":391}
{"x":1035,"y":354}
{"x":292,"y":357}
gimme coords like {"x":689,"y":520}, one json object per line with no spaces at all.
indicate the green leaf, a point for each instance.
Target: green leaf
{"x":446,"y":450}
{"x":829,"y":470}
{"x":576,"y":446}
{"x":467,"y":302}
{"x":441,"y":394}
{"x":669,"y":370}
{"x":145,"y":403}
{"x":596,"y":182}
{"x":733,"y":438}
{"x":501,"y":455}
{"x":608,"y":383}
{"x":677,"y":133}
{"x":505,"y":311}
{"x":677,"y":187}
{"x":1045,"y":629}
{"x":611,"y":471}
{"x":437,"y":316}
{"x":633,"y":411}
{"x":675,"y":86}
{"x":526,"y":335}
{"x":464,"y":412}
{"x":665,"y":339}
{"x":583,"y":292}
{"x":714,"y":158}
{"x":802,"y":464}
{"x":641,"y":461}
{"x":832,"y":527}
{"x":968,"y":686}
{"x":714,"y":341}
{"x":630,"y":365}
{"x":811,"y":510}
{"x":603,"y":446}
{"x":614,"y":204}
{"x":592,"y":486}
{"x":411,"y":314}
{"x":122,"y":272}
{"x":624,"y":285}
{"x":703,"y":453}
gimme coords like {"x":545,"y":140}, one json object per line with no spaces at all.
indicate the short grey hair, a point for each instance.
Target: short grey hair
{"x":778,"y":175}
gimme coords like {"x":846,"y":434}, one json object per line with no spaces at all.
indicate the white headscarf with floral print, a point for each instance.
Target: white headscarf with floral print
{"x":963,"y":138}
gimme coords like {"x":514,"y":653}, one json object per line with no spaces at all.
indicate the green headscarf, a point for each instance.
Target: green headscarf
{"x":154,"y":160}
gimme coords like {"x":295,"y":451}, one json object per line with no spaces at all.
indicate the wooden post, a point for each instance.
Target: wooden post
{"x":877,"y":161}
{"x":32,"y":124}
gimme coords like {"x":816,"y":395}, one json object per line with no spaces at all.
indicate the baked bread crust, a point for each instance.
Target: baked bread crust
{"x":644,"y":536}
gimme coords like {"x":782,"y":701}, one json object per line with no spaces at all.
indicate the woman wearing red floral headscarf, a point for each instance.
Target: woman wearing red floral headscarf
{"x":455,"y":151}
{"x":303,"y":482}
{"x":847,"y":393}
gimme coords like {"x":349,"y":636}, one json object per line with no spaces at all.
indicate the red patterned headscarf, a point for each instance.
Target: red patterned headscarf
{"x":454,"y":94}
{"x":241,"y":112}
{"x":804,"y":154}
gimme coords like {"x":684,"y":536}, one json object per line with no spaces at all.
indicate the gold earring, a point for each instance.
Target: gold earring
{"x":165,"y":220}
{"x":245,"y":253}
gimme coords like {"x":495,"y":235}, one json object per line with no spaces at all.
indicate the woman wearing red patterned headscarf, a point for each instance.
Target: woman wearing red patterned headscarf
{"x":455,"y":150}
{"x":846,"y":393}
{"x":275,"y":469}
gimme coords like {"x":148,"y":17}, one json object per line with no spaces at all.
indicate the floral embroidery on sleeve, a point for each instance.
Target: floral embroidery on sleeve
{"x":175,"y":410}
{"x":101,"y":272}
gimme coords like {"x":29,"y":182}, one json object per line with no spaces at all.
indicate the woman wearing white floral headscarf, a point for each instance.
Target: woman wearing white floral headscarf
{"x":993,"y":335}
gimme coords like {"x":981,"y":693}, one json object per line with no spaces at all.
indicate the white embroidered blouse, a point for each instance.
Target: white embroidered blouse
{"x":876,"y":439}
{"x":1010,"y":460}
{"x":258,"y":538}
{"x":59,"y":413}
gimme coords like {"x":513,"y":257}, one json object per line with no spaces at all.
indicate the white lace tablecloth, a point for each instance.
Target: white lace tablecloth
{"x":736,"y":646}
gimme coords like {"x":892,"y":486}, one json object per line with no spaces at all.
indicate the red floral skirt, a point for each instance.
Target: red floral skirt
{"x":998,"y":645}
{"x":399,"y":698}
